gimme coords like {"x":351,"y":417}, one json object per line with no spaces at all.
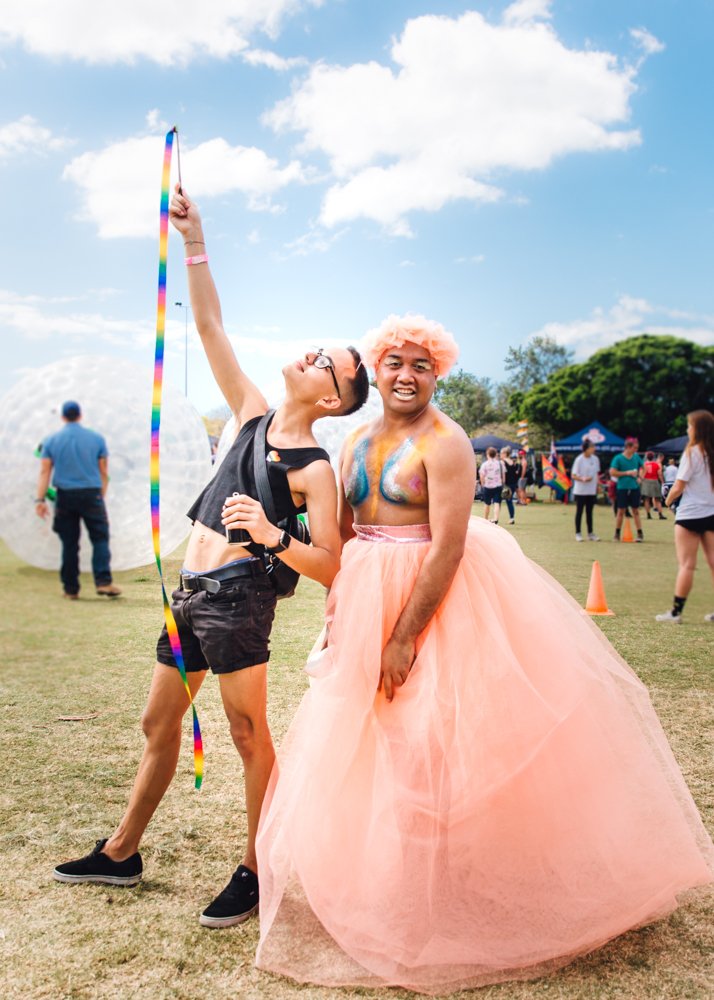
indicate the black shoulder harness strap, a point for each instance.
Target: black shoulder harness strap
{"x":260,"y":468}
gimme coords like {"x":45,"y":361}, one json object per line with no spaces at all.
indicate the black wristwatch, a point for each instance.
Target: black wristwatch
{"x":283,"y":544}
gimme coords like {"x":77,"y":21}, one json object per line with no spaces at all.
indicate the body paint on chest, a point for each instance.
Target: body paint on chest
{"x":395,"y":463}
{"x":357,"y":480}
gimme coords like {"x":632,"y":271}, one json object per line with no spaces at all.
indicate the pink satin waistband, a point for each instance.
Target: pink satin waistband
{"x":392,"y":532}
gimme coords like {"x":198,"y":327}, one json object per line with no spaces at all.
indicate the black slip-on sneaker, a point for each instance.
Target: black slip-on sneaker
{"x":237,"y":902}
{"x":99,"y":867}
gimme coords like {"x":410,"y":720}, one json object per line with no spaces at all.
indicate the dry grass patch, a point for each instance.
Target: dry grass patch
{"x":66,"y":784}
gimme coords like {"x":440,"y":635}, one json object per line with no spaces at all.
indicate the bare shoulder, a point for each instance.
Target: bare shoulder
{"x":360,"y":433}
{"x":318,"y":477}
{"x":452,"y":439}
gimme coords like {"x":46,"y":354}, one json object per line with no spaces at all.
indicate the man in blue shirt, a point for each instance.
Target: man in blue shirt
{"x":76,"y":460}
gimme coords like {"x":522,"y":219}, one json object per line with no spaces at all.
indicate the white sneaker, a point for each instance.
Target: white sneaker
{"x":592,"y":537}
{"x":709,"y":618}
{"x":669,"y":617}
{"x":578,"y":537}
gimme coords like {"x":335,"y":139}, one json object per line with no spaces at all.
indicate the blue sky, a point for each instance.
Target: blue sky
{"x":506,"y":169}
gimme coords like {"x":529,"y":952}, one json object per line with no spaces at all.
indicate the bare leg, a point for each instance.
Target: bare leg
{"x":620,"y":516}
{"x":244,"y":695}
{"x":166,"y":706}
{"x":707,"y":540}
{"x":496,"y":511}
{"x":687,"y":545}
{"x":486,"y":510}
{"x":636,"y":517}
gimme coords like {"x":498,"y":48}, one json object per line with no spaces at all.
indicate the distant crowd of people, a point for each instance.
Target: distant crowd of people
{"x":628,"y":483}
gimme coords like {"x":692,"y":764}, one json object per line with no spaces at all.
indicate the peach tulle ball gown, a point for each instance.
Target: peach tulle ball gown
{"x":515,"y":806}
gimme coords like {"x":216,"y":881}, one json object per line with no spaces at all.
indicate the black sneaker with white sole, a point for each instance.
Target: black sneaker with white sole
{"x":99,"y":867}
{"x":237,"y":902}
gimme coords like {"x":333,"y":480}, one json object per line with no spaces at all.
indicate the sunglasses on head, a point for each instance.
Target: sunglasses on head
{"x":322,"y":360}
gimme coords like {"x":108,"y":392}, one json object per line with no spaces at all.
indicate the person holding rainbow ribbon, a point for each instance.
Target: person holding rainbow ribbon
{"x":225,"y":602}
{"x":453,"y":806}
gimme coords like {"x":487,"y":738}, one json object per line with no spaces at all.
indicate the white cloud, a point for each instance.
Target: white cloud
{"x":646,"y":41}
{"x":523,"y":11}
{"x":33,"y":317}
{"x":478,"y":258}
{"x":627,"y":318}
{"x":26,"y":135}
{"x":464,"y":101}
{"x":167,"y":32}
{"x":260,"y":57}
{"x":119,"y":184}
{"x":315,"y":240}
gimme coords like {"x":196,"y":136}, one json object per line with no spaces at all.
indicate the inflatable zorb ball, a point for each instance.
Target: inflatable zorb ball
{"x":115,"y":397}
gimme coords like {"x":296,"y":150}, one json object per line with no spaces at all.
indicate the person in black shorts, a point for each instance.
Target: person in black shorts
{"x":627,"y":470}
{"x":225,"y":602}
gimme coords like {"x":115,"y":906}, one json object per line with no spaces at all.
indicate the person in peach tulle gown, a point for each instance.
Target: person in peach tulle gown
{"x":458,"y":801}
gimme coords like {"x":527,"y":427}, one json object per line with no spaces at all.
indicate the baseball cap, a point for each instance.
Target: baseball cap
{"x":71,"y":410}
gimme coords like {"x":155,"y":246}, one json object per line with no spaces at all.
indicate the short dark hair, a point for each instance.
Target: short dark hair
{"x":357,"y":385}
{"x":587,"y":443}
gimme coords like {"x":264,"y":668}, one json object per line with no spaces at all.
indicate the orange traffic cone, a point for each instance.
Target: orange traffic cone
{"x":627,"y":535}
{"x":596,"y":603}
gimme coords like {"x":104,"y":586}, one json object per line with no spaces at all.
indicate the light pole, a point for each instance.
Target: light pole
{"x":185,"y":349}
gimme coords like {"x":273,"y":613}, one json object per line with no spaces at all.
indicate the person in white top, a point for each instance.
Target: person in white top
{"x":669,"y":476}
{"x":584,"y":473}
{"x":694,"y":525}
{"x":492,"y":476}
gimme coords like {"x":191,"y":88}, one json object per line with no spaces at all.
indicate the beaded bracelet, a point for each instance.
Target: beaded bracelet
{"x":201,"y":259}
{"x":189,"y":242}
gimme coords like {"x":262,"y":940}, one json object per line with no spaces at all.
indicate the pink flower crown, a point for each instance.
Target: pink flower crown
{"x":396,"y":331}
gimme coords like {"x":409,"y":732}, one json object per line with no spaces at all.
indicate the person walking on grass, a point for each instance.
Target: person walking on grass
{"x":492,"y":478}
{"x":585,"y":473}
{"x":626,"y":469}
{"x":75,"y":460}
{"x":522,"y":481}
{"x":694,"y":523}
{"x":225,"y":602}
{"x":669,"y":477}
{"x":510,"y":486}
{"x":652,"y":487}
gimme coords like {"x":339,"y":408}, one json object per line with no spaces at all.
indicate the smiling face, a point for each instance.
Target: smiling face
{"x":406,"y":379}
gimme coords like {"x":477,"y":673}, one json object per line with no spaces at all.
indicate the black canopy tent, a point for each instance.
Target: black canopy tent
{"x":480,"y":444}
{"x":672,"y":446}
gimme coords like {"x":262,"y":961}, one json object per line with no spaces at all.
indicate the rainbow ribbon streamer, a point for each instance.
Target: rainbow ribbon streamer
{"x":155,"y":427}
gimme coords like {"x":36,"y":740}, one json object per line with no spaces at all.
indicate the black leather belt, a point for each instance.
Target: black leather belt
{"x":212,"y":580}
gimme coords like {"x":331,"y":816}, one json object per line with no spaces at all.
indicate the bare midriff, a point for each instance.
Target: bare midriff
{"x":207,"y":550}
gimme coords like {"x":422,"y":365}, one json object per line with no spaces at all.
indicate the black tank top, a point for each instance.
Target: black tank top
{"x":235,"y":475}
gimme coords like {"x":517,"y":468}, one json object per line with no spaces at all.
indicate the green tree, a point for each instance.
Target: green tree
{"x":467,"y":399}
{"x":644,"y":385}
{"x":530,"y":365}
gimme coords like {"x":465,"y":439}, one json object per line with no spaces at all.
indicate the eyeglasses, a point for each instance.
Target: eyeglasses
{"x":321,"y":360}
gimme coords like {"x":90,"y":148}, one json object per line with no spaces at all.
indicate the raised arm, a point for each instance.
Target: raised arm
{"x":450,"y":478}
{"x":242,"y":396}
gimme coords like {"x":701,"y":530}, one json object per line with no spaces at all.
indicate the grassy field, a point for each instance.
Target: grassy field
{"x":66,"y":783}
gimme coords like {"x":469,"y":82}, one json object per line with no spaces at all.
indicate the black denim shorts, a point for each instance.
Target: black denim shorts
{"x":627,"y":498}
{"x":225,"y":632}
